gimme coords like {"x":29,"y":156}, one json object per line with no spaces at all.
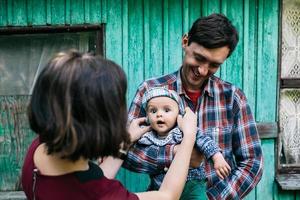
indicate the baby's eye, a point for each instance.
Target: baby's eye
{"x":152,"y":110}
{"x":167,"y":110}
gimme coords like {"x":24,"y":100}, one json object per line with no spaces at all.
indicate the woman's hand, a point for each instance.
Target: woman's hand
{"x":137,"y":128}
{"x":188,"y":123}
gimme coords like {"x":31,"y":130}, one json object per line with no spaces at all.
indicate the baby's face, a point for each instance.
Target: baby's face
{"x":162,"y":113}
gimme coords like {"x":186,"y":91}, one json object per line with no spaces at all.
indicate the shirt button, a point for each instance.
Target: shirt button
{"x":166,"y":169}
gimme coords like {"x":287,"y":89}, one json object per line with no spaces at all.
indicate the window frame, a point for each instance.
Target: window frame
{"x":100,"y":39}
{"x":98,"y":28}
{"x":286,"y":175}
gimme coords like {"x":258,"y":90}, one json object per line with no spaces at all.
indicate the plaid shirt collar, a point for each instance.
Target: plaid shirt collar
{"x":208,"y":89}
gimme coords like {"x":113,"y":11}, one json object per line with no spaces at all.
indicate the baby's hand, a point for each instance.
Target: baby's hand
{"x":221,"y":166}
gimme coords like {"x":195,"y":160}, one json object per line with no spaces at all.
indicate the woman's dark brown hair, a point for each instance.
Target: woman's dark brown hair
{"x":78,"y":106}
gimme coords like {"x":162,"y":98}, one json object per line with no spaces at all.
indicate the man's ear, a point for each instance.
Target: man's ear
{"x":185,"y":40}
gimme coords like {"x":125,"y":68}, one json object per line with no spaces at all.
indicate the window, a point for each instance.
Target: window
{"x":288,"y":151}
{"x":24,"y":51}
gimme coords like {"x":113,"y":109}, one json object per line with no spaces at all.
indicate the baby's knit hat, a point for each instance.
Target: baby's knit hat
{"x":161,"y":92}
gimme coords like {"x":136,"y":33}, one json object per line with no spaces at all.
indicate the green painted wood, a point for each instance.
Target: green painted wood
{"x":95,"y":11}
{"x":210,"y":6}
{"x":233,"y":69}
{"x":265,"y":189}
{"x":174,"y":52}
{"x":153,"y":39}
{"x":136,"y":52}
{"x":165,"y":35}
{"x":68,"y":12}
{"x":267,"y":60}
{"x":250,"y":53}
{"x":19,"y":12}
{"x":103,"y":10}
{"x":125,"y":40}
{"x":36,"y":12}
{"x":297,"y":195}
{"x":58,"y":10}
{"x":86,"y":11}
{"x":3,"y":13}
{"x":114,"y":31}
{"x":9,"y":12}
{"x":284,"y":195}
{"x":48,"y":12}
{"x":77,"y":12}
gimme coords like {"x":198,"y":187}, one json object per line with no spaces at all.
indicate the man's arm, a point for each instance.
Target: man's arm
{"x":247,"y":152}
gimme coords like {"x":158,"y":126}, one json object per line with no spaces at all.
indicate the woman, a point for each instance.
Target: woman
{"x":78,"y":109}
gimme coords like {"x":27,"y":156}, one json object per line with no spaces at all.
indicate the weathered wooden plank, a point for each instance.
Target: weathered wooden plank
{"x":125,"y":41}
{"x":280,"y":194}
{"x":48,"y":12}
{"x":77,"y":12}
{"x":3,"y":13}
{"x":36,"y":10}
{"x":86,"y":11}
{"x":267,"y":60}
{"x":123,"y":174}
{"x":165,"y":35}
{"x":267,"y":130}
{"x":67,"y":12}
{"x":147,"y":39}
{"x":192,"y":10}
{"x":290,"y":83}
{"x":288,"y":181}
{"x":58,"y":8}
{"x":265,"y":189}
{"x":297,"y":195}
{"x":95,"y":11}
{"x":19,"y":11}
{"x":153,"y":39}
{"x":136,"y":57}
{"x":174,"y":52}
{"x":249,"y":48}
{"x":114,"y":31}
{"x":104,"y":9}
{"x":210,"y":6}
{"x":15,"y":135}
{"x":233,"y":70}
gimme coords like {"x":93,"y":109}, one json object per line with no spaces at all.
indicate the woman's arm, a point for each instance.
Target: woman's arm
{"x":110,"y":165}
{"x":175,"y":178}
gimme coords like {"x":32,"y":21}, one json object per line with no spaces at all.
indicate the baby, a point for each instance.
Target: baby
{"x":162,"y":108}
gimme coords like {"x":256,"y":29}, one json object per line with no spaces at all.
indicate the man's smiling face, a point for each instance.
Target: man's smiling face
{"x":200,"y":63}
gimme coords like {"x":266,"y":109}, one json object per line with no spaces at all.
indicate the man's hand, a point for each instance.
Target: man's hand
{"x":136,"y":130}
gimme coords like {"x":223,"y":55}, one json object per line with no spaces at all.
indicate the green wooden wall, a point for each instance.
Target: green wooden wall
{"x":144,"y":36}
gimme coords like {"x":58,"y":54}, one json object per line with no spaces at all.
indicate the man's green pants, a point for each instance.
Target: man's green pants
{"x":194,"y":190}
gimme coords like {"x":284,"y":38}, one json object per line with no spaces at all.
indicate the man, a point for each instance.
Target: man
{"x":224,"y":115}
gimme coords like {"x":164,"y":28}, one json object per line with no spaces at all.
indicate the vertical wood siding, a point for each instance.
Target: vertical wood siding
{"x":144,"y":36}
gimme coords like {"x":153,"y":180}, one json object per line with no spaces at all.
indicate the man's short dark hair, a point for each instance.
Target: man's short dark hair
{"x":214,"y":31}
{"x":78,"y":106}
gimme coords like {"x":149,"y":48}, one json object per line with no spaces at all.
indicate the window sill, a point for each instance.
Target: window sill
{"x":288,"y":181}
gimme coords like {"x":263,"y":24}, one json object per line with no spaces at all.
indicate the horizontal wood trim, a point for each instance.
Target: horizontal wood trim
{"x":290,"y":83}
{"x":288,"y":181}
{"x":10,"y":30}
{"x":267,"y":129}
